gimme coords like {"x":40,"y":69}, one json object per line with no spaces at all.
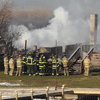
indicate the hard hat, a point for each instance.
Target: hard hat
{"x":53,"y":57}
{"x":20,"y":55}
{"x":5,"y":55}
{"x":11,"y":56}
{"x":64,"y":54}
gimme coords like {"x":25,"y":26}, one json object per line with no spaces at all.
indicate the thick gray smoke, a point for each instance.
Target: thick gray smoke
{"x":62,"y":28}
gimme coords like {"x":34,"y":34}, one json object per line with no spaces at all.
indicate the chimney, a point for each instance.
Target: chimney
{"x":34,"y":47}
{"x":25,"y":47}
{"x":64,"y":48}
{"x":93,"y":29}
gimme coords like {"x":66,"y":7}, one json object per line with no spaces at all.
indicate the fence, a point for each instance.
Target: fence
{"x":32,"y":95}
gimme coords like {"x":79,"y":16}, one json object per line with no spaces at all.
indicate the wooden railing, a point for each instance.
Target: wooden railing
{"x":47,"y":94}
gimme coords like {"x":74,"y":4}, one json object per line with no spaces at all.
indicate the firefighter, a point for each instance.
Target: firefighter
{"x":30,"y":64}
{"x":19,"y":65}
{"x":41,"y":66}
{"x":55,"y":66}
{"x":87,"y":64}
{"x":45,"y":64}
{"x":36,"y":66}
{"x":24,"y":66}
{"x":50,"y":65}
{"x":11,"y":65}
{"x":60,"y":64}
{"x":6,"y":65}
{"x":65,"y":65}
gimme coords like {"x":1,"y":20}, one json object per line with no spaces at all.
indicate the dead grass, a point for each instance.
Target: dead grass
{"x":38,"y":81}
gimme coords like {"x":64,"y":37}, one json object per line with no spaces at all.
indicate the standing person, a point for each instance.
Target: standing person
{"x":30,"y":64}
{"x":41,"y":66}
{"x":45,"y":65}
{"x":87,"y":64}
{"x":50,"y":65}
{"x":37,"y":66}
{"x":34,"y":67}
{"x":6,"y":64}
{"x":55,"y":66}
{"x":11,"y":65}
{"x":65,"y":65}
{"x":19,"y":65}
{"x":60,"y":64}
{"x":24,"y":66}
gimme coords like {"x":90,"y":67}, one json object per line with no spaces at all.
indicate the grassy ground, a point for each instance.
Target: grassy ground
{"x":92,"y":81}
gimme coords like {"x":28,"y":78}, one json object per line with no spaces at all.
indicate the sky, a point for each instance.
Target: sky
{"x":88,"y":5}
{"x":47,"y":4}
{"x":71,"y":17}
{"x":53,"y":4}
{"x":72,"y":6}
{"x":75,"y":7}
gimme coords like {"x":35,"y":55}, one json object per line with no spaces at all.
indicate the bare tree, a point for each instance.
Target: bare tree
{"x":5,"y":17}
{"x":8,"y":37}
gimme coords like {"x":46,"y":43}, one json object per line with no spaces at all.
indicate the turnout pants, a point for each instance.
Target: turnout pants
{"x":49,"y":70}
{"x":34,"y":69}
{"x":41,"y":71}
{"x":86,"y":72}
{"x":18,"y":71}
{"x":6,"y":70}
{"x":30,"y":69}
{"x":66,"y":71}
{"x":11,"y":71}
{"x":24,"y":68}
{"x":55,"y":71}
{"x":37,"y":69}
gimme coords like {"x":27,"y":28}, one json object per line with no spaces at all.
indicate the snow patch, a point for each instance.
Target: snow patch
{"x":9,"y":84}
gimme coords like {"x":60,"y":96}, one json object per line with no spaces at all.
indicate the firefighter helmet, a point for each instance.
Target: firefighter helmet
{"x":5,"y":55}
{"x":20,"y":55}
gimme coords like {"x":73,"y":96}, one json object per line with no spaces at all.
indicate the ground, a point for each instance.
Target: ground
{"x":73,"y":81}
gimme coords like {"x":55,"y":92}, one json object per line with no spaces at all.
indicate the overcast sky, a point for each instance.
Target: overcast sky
{"x":77,"y":8}
{"x":48,"y":4}
{"x":78,"y":15}
{"x":89,"y":5}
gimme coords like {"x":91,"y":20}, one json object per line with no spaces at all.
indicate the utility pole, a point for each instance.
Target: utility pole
{"x":56,"y":65}
{"x":25,"y":46}
{"x":11,"y":49}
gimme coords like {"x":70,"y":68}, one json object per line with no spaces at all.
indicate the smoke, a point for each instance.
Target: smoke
{"x":62,"y":28}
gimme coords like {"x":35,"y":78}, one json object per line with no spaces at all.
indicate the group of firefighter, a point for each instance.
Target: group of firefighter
{"x":40,"y":66}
